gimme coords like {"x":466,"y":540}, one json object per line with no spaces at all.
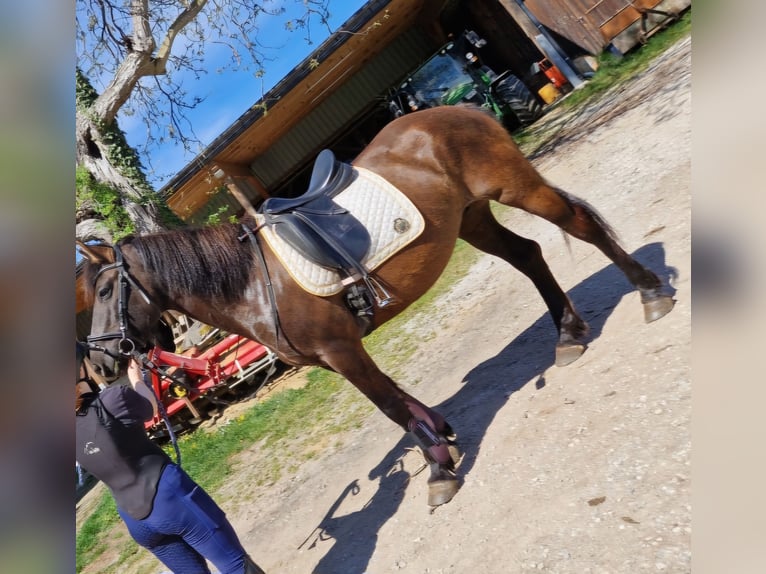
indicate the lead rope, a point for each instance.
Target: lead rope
{"x":148,"y":365}
{"x":160,"y":406}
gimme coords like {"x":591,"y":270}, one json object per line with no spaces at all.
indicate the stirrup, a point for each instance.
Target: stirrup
{"x":374,"y":285}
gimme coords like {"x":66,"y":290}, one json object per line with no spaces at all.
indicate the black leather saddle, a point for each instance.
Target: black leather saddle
{"x":327,"y":233}
{"x":316,"y":226}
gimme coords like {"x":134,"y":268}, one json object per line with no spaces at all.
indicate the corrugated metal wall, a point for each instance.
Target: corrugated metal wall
{"x":587,"y":22}
{"x":323,"y":123}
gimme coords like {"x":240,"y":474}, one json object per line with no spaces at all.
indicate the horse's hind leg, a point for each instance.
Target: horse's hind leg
{"x":432,"y":433}
{"x":581,"y":220}
{"x":480,"y":228}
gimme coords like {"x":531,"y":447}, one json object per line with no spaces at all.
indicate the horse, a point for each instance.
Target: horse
{"x":450,"y":162}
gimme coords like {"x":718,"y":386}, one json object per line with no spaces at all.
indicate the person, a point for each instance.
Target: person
{"x":165,"y":511}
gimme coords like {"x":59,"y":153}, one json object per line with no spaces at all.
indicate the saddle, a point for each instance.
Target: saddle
{"x":323,"y":231}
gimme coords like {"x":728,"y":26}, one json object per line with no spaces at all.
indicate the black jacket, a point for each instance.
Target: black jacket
{"x":113,"y":446}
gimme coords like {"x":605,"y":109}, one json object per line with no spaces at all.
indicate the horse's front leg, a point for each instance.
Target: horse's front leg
{"x":431,"y":431}
{"x":437,"y":440}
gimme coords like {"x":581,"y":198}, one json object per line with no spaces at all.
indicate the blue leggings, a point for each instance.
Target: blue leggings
{"x":185,"y":527}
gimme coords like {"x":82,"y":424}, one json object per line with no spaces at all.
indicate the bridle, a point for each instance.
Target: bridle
{"x":126,"y":346}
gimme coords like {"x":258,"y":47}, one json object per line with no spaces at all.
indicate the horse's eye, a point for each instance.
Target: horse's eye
{"x":104,"y":292}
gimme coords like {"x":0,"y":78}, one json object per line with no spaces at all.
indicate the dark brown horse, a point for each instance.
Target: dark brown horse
{"x":450,"y":162}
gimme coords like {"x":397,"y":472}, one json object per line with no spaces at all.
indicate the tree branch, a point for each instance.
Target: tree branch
{"x":159,"y":63}
{"x":140,"y":60}
{"x":121,"y":42}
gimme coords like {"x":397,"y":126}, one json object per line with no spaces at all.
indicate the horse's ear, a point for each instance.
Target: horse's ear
{"x":97,"y":254}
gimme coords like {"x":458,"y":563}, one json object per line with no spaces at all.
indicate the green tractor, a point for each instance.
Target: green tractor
{"x":456,"y":74}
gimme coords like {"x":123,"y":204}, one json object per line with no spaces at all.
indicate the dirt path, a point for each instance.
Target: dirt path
{"x":581,"y":469}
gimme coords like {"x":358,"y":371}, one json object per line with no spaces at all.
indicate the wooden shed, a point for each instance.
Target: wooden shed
{"x":595,"y":24}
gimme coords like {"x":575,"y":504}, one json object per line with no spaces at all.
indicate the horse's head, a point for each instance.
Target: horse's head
{"x":125,"y":318}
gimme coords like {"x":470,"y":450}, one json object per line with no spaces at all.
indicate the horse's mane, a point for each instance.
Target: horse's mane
{"x":205,"y":261}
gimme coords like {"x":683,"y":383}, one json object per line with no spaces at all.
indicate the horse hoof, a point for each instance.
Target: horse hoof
{"x":658,"y":308}
{"x":441,"y":491}
{"x":566,"y":354}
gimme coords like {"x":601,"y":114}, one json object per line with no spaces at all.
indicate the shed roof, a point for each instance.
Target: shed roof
{"x":369,"y":31}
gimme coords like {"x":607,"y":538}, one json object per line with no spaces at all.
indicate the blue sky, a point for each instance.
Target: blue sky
{"x":228,"y":95}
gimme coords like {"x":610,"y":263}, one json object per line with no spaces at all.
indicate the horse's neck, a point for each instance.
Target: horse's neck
{"x":233,"y":317}
{"x":227,"y":295}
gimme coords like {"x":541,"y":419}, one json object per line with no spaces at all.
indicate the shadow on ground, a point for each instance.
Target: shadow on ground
{"x":486,"y":389}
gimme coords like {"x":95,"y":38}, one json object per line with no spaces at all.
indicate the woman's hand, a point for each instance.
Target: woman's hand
{"x":134,"y":374}
{"x":136,"y":378}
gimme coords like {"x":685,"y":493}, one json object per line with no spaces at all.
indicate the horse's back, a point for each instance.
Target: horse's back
{"x":458,"y":152}
{"x":460,"y":126}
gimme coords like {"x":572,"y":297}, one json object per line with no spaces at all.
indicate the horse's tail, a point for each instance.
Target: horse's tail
{"x":575,"y":203}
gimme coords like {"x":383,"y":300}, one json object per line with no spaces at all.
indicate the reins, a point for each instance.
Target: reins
{"x":126,"y":345}
{"x":145,"y":362}
{"x":146,"y":365}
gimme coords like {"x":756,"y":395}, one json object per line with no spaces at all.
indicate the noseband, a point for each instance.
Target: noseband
{"x":126,"y":345}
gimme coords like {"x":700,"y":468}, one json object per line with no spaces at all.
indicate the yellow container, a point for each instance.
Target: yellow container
{"x":549,"y":93}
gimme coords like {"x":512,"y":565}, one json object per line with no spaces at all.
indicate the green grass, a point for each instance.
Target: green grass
{"x":613,"y":70}
{"x":90,"y":540}
{"x":207,"y":456}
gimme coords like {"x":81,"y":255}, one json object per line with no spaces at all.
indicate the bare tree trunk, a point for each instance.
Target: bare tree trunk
{"x":92,"y":229}
{"x":92,"y":154}
{"x":92,"y":149}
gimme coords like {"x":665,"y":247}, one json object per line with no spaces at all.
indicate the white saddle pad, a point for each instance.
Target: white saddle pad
{"x":390,"y":217}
